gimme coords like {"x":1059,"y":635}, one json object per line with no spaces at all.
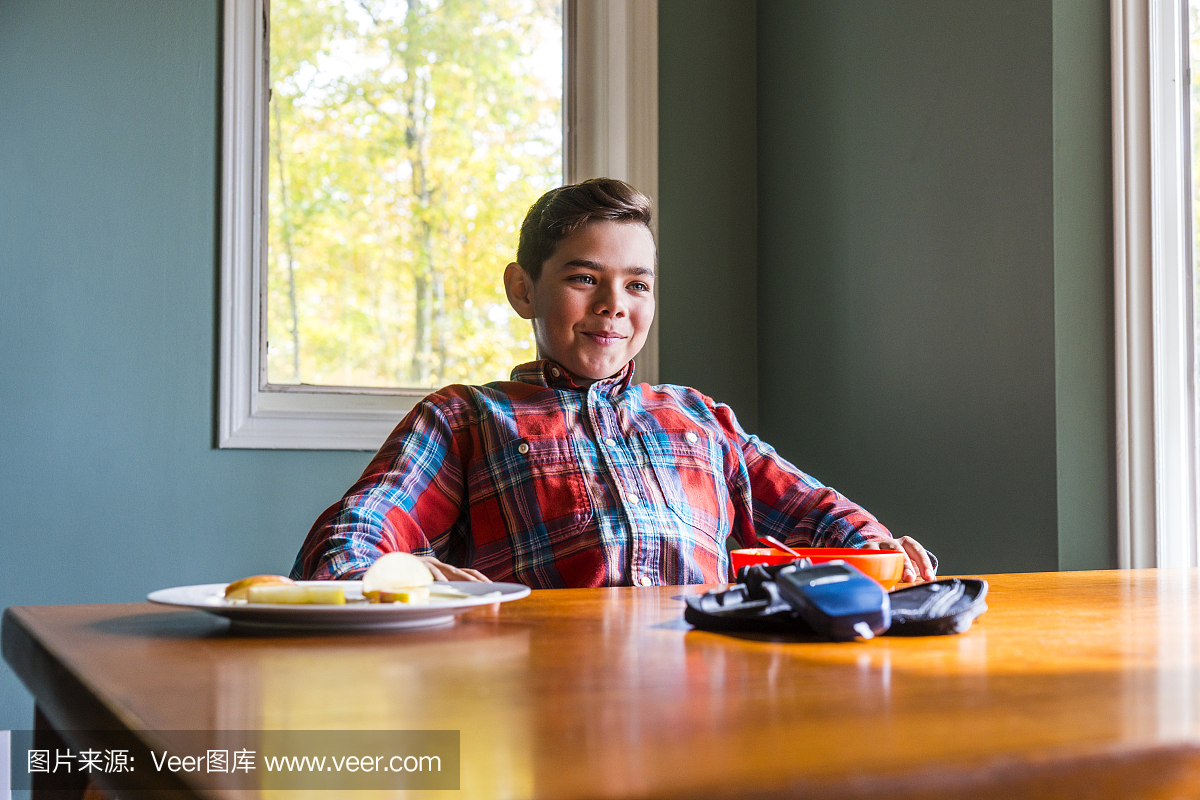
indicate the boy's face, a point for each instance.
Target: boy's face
{"x":594,"y":301}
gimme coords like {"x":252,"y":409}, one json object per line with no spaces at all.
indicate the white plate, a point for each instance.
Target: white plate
{"x":357,"y":614}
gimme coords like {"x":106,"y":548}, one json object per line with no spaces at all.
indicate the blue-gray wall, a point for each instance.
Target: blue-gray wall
{"x":108,"y":241}
{"x":883,"y":241}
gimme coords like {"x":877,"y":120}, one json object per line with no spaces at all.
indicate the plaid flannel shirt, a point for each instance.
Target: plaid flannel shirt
{"x":540,"y":481}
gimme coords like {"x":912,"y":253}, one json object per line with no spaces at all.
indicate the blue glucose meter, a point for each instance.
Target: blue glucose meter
{"x":836,"y":599}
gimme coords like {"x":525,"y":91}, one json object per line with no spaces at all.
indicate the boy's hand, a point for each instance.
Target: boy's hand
{"x":917,"y":565}
{"x":445,"y":572}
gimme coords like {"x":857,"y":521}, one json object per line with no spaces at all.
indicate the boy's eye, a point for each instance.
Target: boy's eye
{"x":588,"y":279}
{"x":639,"y":286}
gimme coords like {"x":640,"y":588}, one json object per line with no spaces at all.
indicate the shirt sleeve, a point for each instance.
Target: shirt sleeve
{"x":408,"y":498}
{"x":791,"y":505}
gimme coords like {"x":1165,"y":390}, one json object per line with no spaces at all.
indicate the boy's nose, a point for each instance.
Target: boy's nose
{"x":608,"y":302}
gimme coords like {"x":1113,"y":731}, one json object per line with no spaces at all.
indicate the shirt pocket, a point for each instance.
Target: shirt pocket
{"x":688,"y":468}
{"x":530,"y":495}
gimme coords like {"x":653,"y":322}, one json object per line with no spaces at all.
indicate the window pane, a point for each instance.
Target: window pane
{"x":407,"y":141}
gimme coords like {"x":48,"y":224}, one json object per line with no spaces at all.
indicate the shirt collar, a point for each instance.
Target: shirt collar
{"x":553,"y":375}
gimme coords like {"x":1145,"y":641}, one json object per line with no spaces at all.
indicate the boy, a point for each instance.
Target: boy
{"x":567,"y":475}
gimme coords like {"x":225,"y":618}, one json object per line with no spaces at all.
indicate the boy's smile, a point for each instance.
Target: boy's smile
{"x":594,"y":301}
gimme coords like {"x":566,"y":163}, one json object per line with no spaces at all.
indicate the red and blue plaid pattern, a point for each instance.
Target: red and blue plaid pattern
{"x":539,"y":481}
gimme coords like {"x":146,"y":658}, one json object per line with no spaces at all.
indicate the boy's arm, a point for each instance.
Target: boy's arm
{"x":408,"y":499}
{"x":802,"y":512}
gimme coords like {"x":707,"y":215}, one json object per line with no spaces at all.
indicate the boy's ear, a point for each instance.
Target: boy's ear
{"x":519,"y":288}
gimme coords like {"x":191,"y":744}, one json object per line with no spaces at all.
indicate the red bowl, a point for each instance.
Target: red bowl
{"x":885,"y":566}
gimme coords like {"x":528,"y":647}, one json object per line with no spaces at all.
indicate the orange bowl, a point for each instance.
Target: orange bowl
{"x":885,"y":566}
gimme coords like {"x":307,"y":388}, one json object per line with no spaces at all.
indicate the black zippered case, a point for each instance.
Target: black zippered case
{"x":755,"y":604}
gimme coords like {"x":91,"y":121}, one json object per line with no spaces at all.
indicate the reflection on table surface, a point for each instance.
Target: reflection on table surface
{"x":609,"y":693}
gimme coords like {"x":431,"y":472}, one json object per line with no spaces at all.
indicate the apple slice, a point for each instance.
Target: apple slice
{"x":415,"y":594}
{"x":238,"y":589}
{"x":449,"y":592}
{"x":394,"y":572}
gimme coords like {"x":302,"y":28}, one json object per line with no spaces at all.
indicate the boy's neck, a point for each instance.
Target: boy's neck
{"x":581,"y":382}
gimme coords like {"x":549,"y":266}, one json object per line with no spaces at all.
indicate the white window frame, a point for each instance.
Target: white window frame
{"x":610,"y":127}
{"x":1155,"y":328}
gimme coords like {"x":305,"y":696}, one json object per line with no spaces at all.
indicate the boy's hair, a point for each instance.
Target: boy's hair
{"x":562,"y":211}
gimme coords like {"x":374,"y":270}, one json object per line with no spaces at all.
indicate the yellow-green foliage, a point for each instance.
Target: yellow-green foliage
{"x":412,"y":139}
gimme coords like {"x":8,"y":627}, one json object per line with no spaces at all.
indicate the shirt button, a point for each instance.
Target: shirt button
{"x":611,"y":442}
{"x":633,"y":498}
{"x":554,"y":371}
{"x":691,"y":437}
{"x":523,"y":448}
{"x":644,"y":580}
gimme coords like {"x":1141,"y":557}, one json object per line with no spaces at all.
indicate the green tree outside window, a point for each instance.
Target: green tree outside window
{"x":407,"y":141}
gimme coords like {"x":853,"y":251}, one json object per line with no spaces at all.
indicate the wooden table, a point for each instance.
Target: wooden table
{"x":1082,"y":684}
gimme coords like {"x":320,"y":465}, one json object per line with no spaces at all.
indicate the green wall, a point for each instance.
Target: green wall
{"x":108,"y":253}
{"x":1083,"y":286}
{"x":906,"y":297}
{"x":932,"y":323}
{"x":707,"y":201}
